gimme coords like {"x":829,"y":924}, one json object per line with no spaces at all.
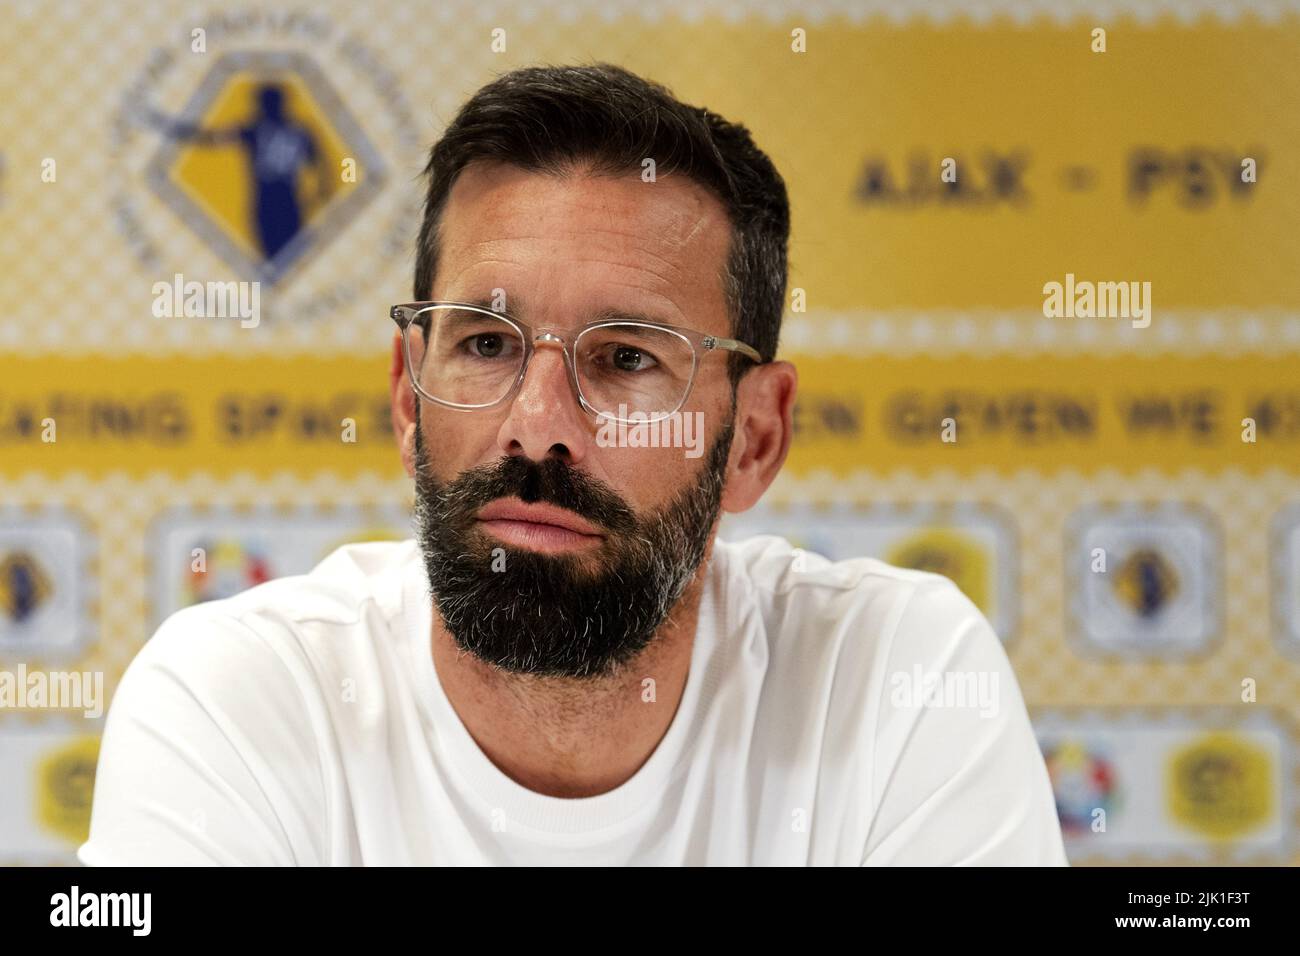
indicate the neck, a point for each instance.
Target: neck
{"x":566,"y":737}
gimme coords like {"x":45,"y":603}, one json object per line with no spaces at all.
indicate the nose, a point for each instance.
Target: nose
{"x":544,"y":417}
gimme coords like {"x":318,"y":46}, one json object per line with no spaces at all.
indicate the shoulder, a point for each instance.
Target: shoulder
{"x":271,"y":639}
{"x":228,"y":716}
{"x":841,"y":632}
{"x":899,"y":682}
{"x":793,"y":588}
{"x":338,"y":590}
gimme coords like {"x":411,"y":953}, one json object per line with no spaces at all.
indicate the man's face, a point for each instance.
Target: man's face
{"x":548,"y":553}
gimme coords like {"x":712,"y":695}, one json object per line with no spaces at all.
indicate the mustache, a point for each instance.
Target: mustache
{"x":551,"y":481}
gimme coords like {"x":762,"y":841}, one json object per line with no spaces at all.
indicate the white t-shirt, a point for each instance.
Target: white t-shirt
{"x":302,"y":722}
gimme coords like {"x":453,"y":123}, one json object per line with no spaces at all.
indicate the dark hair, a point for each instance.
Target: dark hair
{"x":550,"y":118}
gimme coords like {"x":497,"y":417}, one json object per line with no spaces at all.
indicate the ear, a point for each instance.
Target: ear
{"x":403,"y":405}
{"x":764,"y":430}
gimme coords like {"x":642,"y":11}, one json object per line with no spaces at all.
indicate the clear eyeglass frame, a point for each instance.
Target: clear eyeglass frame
{"x":406,"y":316}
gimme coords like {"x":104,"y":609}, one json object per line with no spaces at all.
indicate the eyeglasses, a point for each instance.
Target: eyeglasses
{"x":468,"y":357}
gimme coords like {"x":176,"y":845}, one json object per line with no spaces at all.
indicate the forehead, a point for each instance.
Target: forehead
{"x":582,"y":240}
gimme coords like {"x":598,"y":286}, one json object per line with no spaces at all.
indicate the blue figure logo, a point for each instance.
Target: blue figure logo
{"x":278,"y":150}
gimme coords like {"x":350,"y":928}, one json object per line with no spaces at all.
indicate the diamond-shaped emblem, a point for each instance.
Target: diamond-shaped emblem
{"x":257,"y":163}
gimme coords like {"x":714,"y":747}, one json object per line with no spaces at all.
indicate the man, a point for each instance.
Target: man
{"x":565,"y":666}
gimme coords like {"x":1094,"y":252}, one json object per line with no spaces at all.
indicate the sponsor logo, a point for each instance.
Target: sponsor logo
{"x":1172,"y":785}
{"x":65,"y":783}
{"x":1083,"y":781}
{"x":47,"y":583}
{"x":209,"y":554}
{"x":1221,"y":786}
{"x":1143,"y":581}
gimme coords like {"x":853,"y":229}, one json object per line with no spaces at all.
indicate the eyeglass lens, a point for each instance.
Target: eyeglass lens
{"x":470,"y":357}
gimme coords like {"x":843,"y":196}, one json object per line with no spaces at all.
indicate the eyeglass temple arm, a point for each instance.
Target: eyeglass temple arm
{"x":712,"y":342}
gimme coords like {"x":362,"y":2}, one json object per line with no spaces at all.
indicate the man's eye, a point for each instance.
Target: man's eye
{"x":487,"y":345}
{"x":628,"y":358}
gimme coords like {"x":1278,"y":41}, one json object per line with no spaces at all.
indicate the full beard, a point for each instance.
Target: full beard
{"x":548,"y":615}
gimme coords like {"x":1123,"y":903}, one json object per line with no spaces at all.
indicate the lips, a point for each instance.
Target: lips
{"x":540,"y":527}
